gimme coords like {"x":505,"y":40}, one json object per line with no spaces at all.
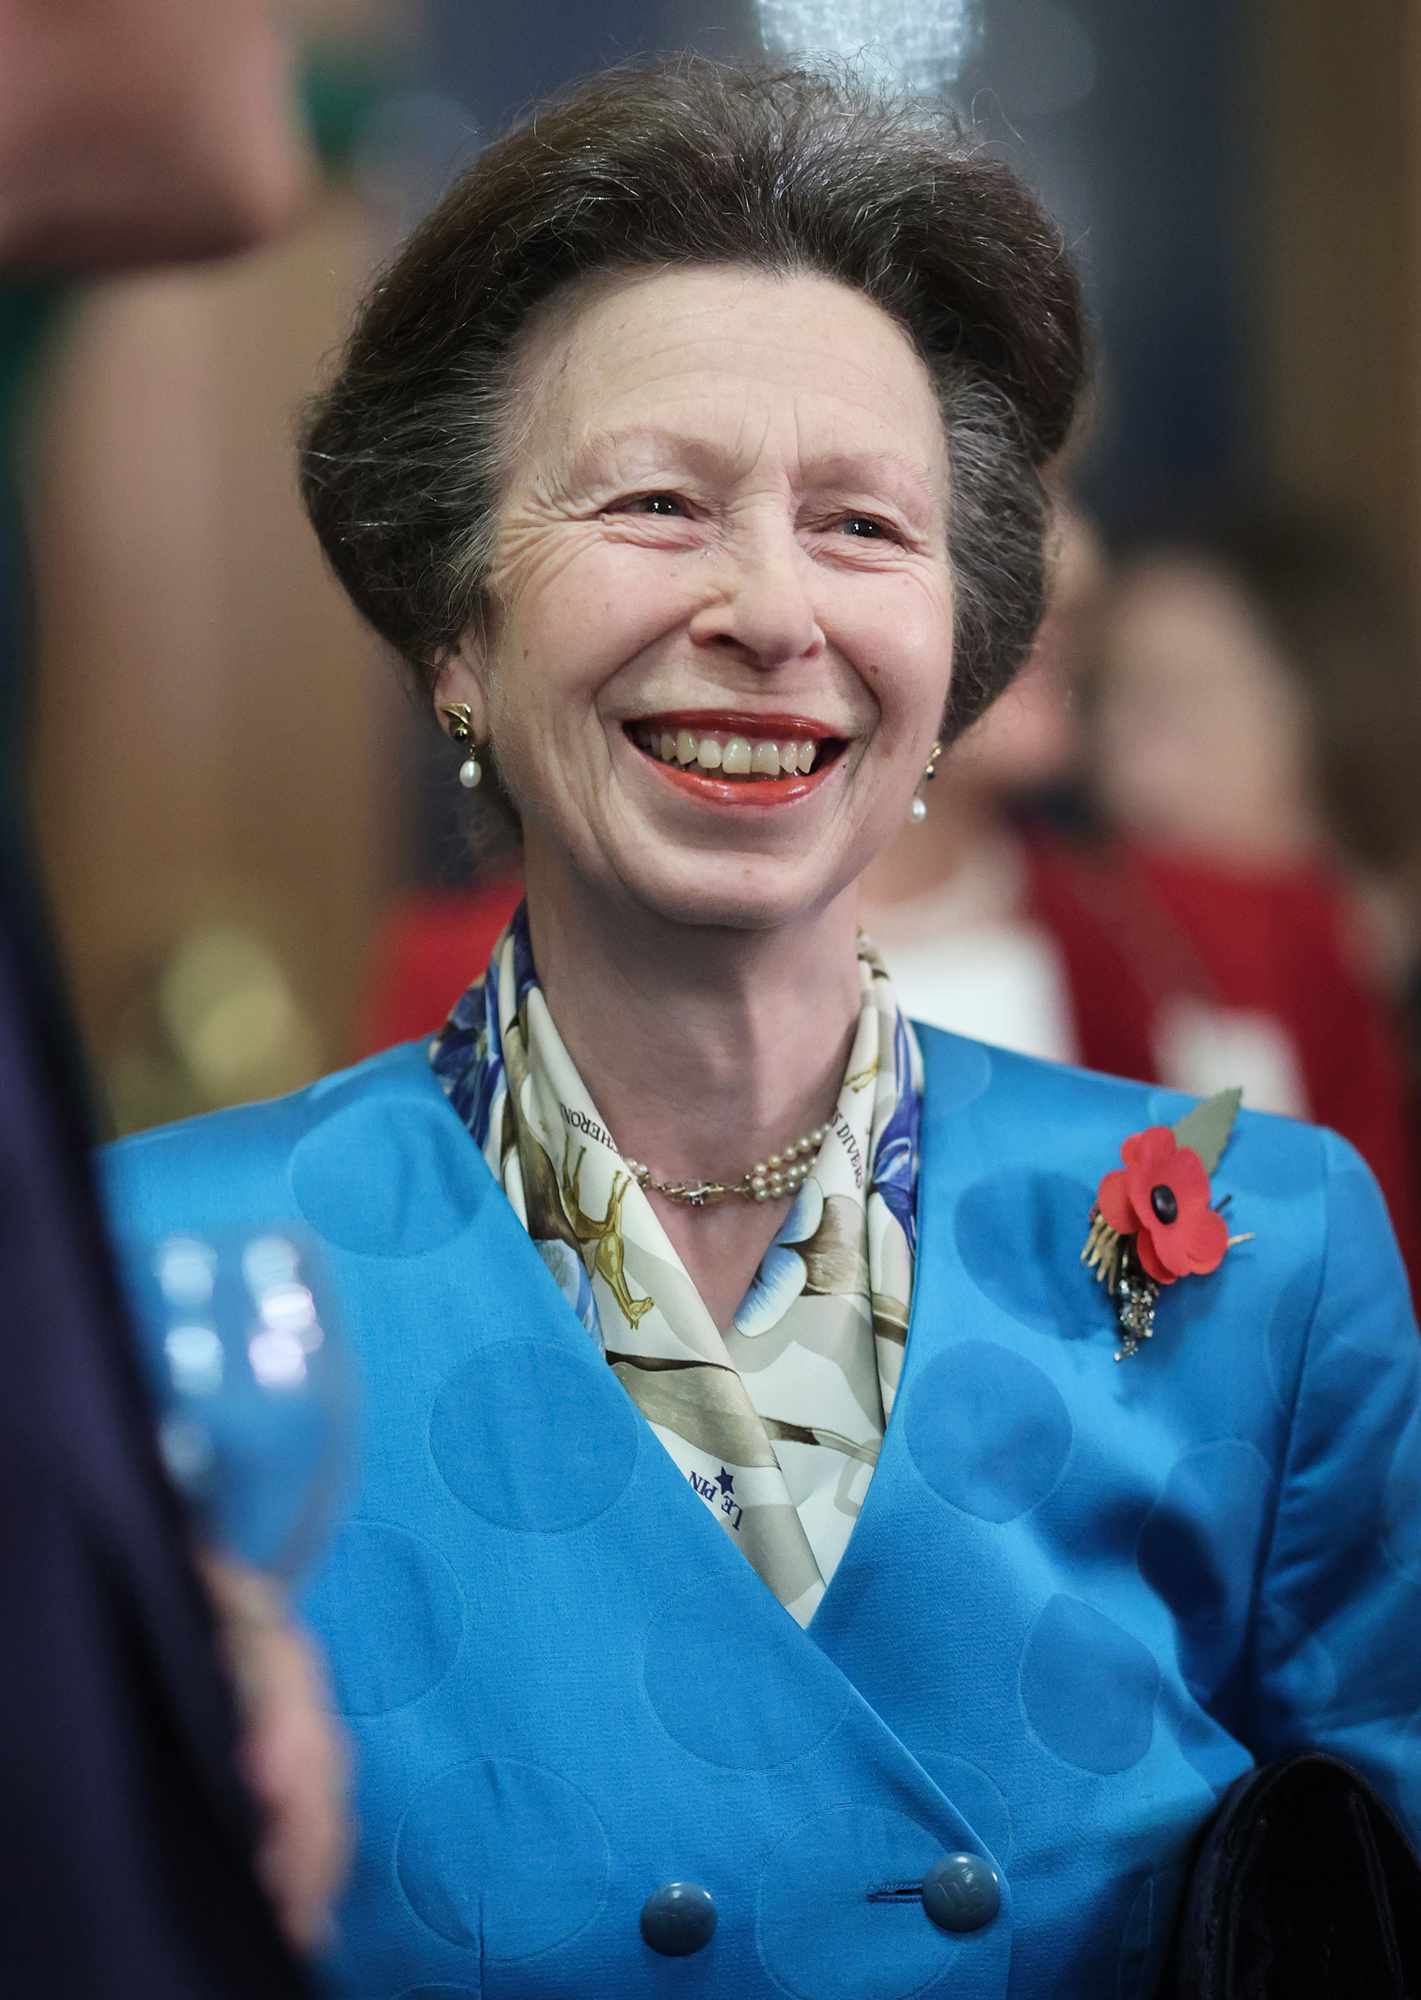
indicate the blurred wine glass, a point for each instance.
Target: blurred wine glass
{"x":253,"y":1388}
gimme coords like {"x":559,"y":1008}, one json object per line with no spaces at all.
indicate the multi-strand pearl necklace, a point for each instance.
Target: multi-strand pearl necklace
{"x":778,"y":1174}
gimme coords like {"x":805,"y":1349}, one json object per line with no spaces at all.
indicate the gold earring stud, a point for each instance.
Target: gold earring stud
{"x":461,"y":729}
{"x":918,"y":810}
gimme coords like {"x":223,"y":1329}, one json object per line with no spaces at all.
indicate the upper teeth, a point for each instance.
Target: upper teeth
{"x":735,"y":756}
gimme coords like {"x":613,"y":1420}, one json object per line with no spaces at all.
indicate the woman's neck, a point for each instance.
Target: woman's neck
{"x":703,"y":1049}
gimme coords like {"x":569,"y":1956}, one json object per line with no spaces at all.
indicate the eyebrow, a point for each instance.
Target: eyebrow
{"x":711,"y":460}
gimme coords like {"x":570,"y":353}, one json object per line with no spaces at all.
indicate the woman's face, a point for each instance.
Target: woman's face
{"x":722,"y":553}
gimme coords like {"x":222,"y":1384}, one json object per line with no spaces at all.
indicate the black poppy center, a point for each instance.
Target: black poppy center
{"x":1164,"y":1204}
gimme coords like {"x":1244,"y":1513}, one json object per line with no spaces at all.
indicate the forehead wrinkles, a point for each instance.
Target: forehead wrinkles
{"x":595,"y":359}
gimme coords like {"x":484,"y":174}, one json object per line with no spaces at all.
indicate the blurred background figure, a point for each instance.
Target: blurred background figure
{"x":1243,"y":911}
{"x":1188,"y":853}
{"x":1202,"y":733}
{"x":1276,"y":659}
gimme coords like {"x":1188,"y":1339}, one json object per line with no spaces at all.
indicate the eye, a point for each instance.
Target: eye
{"x":667,"y":506}
{"x":866,"y":527}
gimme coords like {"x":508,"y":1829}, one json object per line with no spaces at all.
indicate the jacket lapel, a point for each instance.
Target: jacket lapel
{"x":936,"y":1284}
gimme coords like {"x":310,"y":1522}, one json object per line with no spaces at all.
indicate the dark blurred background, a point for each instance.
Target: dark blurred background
{"x":231,"y":789}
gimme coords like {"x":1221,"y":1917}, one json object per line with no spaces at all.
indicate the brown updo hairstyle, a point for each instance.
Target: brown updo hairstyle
{"x":666,"y":166}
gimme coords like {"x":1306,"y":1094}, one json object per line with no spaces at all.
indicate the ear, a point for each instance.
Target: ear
{"x":462,"y":677}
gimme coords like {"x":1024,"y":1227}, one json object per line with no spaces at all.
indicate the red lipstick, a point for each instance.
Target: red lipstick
{"x":735,"y":722}
{"x":761,"y":792}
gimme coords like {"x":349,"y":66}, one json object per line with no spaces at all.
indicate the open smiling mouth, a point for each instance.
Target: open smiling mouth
{"x":738,"y":759}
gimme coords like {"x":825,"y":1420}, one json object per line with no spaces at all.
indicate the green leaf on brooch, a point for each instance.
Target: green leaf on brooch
{"x":1207,"y":1127}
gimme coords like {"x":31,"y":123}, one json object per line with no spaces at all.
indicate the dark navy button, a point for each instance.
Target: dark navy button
{"x":962,"y":1892}
{"x":678,"y":1918}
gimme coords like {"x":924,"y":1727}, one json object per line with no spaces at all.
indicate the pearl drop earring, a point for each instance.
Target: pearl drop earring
{"x":461,"y":729}
{"x":918,"y":810}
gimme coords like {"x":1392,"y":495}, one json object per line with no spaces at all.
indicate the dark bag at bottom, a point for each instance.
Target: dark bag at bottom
{"x":1303,"y":1887}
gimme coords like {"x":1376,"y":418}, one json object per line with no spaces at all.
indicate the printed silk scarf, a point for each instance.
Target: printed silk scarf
{"x":776,"y":1423}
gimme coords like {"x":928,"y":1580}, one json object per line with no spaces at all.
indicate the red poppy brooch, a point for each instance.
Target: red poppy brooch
{"x":1153,"y":1221}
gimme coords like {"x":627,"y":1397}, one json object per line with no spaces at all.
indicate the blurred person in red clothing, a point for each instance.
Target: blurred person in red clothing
{"x":1273,"y":659}
{"x":1250,"y":738}
{"x":1202,"y":931}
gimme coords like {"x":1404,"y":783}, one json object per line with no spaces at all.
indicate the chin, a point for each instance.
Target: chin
{"x":738,"y":893}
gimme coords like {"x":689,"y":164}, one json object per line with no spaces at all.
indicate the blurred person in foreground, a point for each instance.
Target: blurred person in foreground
{"x":155,"y":1838}
{"x":762,"y":1561}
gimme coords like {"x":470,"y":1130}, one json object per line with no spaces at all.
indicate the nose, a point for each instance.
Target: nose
{"x":762,"y":605}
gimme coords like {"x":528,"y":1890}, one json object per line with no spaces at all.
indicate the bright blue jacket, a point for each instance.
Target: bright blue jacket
{"x":1080,"y":1600}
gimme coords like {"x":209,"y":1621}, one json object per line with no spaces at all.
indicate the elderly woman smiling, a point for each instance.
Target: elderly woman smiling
{"x":764,"y":1580}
